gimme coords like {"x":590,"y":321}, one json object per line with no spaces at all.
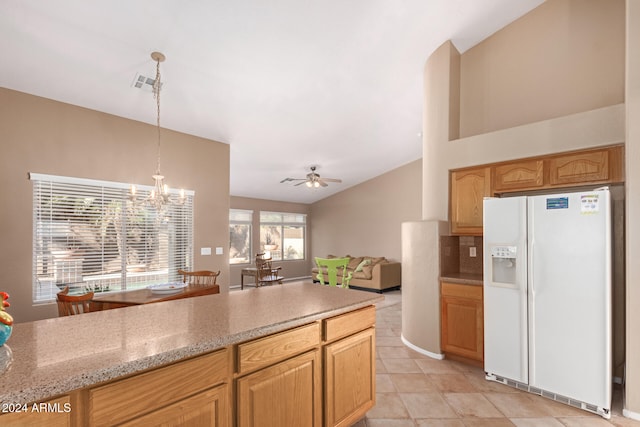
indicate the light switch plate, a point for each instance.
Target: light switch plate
{"x":205,"y":251}
{"x":472,"y":251}
{"x":219,"y":250}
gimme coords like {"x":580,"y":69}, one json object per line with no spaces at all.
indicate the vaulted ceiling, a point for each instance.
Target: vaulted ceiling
{"x":286,"y":83}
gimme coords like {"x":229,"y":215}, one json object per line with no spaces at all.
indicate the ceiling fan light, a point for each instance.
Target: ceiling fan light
{"x":316,"y":184}
{"x":309,"y":184}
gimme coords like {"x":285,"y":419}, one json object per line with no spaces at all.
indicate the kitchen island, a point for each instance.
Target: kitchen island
{"x":296,"y":353}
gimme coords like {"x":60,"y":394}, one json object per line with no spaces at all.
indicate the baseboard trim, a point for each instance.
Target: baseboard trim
{"x":630,"y":414}
{"x":413,"y":347}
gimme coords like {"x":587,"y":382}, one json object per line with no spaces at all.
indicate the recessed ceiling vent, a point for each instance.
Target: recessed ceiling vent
{"x":144,"y":83}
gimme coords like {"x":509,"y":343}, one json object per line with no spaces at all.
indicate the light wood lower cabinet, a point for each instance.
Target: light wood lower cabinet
{"x":349,"y":378}
{"x":52,"y":413}
{"x":164,"y":389}
{"x":208,"y":408}
{"x":286,"y":394}
{"x":462,"y":323}
{"x":318,"y":374}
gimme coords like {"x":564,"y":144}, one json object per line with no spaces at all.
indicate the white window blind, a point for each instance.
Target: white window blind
{"x":89,"y":236}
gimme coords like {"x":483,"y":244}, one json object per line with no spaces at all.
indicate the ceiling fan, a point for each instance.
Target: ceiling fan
{"x":312,"y":179}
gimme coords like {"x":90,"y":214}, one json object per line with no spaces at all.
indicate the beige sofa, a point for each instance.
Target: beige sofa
{"x":374,"y":273}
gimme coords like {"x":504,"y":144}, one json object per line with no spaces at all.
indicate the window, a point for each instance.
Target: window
{"x":240,"y":236}
{"x":89,"y":236}
{"x":283,"y":235}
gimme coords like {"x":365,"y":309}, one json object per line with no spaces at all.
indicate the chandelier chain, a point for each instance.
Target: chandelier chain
{"x":156,"y":94}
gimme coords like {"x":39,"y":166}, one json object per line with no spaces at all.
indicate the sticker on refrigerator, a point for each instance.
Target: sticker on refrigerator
{"x":558,"y":203}
{"x":589,"y":204}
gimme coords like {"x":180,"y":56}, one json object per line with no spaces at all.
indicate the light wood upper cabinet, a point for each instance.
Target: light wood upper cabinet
{"x":469,"y":187}
{"x":595,"y":166}
{"x":521,"y":175}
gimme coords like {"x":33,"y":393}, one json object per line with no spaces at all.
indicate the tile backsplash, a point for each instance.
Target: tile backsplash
{"x":469,"y":264}
{"x":455,"y":255}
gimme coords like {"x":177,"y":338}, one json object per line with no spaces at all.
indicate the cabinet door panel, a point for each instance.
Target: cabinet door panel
{"x":469,"y":187}
{"x":519,"y":175}
{"x":580,"y":168}
{"x":462,"y":327}
{"x":286,"y":394}
{"x":350,"y":378}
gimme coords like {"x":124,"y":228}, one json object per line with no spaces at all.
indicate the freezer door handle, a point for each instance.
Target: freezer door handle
{"x":529,"y":295}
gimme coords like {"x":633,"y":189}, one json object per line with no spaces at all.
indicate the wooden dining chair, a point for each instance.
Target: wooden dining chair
{"x":199,"y":278}
{"x":266,"y":273}
{"x":70,"y":305}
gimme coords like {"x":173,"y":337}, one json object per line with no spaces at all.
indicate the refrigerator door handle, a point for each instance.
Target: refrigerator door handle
{"x":531,"y":303}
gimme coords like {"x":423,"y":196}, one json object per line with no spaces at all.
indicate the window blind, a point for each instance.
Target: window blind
{"x":90,"y":236}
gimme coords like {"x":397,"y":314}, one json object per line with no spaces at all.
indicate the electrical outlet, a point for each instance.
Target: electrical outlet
{"x":472,"y":251}
{"x":205,"y":251}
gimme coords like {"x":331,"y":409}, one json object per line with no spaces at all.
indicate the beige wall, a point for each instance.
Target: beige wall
{"x":290,"y":269}
{"x":632,"y":395}
{"x":44,"y":136}
{"x":581,"y":123}
{"x":366,"y":219}
{"x":564,"y":57}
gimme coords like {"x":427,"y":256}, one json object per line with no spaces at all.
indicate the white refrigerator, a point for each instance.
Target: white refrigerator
{"x":547,"y":296}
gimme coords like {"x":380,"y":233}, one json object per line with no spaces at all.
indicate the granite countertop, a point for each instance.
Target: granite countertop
{"x":55,"y":356}
{"x":463,"y":278}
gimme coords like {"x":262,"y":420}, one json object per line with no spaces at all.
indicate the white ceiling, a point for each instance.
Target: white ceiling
{"x":286,"y":83}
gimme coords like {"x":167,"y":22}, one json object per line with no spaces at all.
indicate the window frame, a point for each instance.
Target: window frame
{"x":282,"y":224}
{"x":248,"y":223}
{"x":112,"y":218}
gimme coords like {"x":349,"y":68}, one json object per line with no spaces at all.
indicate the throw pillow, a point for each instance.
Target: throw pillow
{"x":354,"y":262}
{"x":362,"y":264}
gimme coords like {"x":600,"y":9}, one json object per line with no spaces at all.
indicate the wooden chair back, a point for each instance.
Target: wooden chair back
{"x":199,"y":278}
{"x":267,"y":274}
{"x":70,"y":305}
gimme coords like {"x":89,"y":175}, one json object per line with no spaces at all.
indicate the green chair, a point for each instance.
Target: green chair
{"x":333,"y":267}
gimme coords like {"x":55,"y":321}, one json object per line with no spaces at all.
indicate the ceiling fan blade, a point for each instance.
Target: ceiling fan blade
{"x":321,"y":181}
{"x":332,"y":179}
{"x":300,"y":183}
{"x":292,"y":179}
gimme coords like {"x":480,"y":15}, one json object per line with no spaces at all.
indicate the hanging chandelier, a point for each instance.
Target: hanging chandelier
{"x":159,"y":197}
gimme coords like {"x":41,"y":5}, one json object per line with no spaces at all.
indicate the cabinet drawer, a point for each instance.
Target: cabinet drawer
{"x":349,"y":323}
{"x":122,"y":400}
{"x":461,"y":291}
{"x":274,"y":348}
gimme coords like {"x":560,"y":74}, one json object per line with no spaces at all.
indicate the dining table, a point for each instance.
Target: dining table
{"x":147,"y":296}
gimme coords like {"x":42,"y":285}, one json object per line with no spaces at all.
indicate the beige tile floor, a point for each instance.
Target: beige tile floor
{"x":415,"y":390}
